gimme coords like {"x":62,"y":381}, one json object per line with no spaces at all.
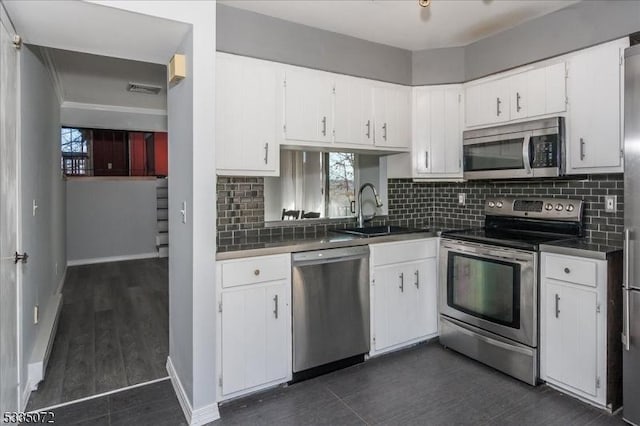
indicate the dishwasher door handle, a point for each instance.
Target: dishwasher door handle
{"x":329,"y":255}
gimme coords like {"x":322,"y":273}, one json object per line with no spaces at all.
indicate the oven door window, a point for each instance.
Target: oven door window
{"x":485,"y":288}
{"x":498,"y":155}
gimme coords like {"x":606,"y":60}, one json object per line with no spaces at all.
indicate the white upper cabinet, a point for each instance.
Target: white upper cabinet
{"x":532,"y":93}
{"x":594,"y":123}
{"x":247,"y":130}
{"x":353,"y":113}
{"x":437,"y":132}
{"x":392,"y":116}
{"x":308,"y":105}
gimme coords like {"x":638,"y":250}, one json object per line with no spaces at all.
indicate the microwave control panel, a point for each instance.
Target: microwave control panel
{"x":545,"y":151}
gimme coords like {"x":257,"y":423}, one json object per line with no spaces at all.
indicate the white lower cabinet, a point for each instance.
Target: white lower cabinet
{"x":404,"y":307}
{"x":254,"y":324}
{"x":576,"y":354}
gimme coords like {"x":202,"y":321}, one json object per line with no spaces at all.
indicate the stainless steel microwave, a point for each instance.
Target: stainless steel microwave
{"x":531,"y":149}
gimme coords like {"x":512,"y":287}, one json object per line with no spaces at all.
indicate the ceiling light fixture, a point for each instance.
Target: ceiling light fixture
{"x":149,"y":89}
{"x":424,"y":3}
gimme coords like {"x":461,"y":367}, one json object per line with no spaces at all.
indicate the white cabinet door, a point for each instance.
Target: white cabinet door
{"x":555,"y":88}
{"x":488,"y":102}
{"x":437,"y":134}
{"x":390,"y":306}
{"x":308,"y":105}
{"x":392,"y":116}
{"x":423,"y":314}
{"x":256,"y":332}
{"x":594,"y":116}
{"x":519,"y":95}
{"x":353,"y":114}
{"x":246,"y":116}
{"x":570,"y":336}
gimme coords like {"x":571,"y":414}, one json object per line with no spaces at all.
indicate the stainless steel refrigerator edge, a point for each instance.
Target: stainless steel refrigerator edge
{"x":631,"y":282}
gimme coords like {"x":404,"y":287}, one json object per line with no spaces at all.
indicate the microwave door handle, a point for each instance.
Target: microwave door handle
{"x":526,"y":149}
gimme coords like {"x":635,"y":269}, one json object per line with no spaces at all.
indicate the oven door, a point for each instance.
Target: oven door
{"x":498,"y":156}
{"x":493,"y":288}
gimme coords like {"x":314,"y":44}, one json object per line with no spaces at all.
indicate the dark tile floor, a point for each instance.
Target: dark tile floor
{"x":424,"y":385}
{"x":113,"y":331}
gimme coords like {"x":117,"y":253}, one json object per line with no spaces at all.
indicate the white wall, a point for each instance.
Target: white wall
{"x":110,"y":218}
{"x":43,"y":234}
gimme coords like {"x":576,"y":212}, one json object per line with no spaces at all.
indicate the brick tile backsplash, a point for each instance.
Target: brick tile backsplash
{"x":240,"y":204}
{"x":443,"y":209}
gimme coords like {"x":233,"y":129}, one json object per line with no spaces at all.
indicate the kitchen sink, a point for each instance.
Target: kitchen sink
{"x":376,"y":231}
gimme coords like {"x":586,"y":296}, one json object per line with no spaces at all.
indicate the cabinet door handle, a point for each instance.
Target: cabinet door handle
{"x":324,"y":126}
{"x":368,"y":134}
{"x":417,"y":278}
{"x":498,"y":102}
{"x":266,"y":153}
{"x":582,"y":144}
{"x":275,"y":307}
{"x":384,"y":131}
{"x":402,"y":282}
{"x":426,"y":159}
{"x":518,"y":107}
{"x":557,"y":305}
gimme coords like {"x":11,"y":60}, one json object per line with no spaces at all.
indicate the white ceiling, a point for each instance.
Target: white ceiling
{"x":85,"y":27}
{"x":403,"y":23}
{"x":102,"y":80}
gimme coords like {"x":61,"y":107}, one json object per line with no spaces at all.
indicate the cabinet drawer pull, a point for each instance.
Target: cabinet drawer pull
{"x":402,"y":282}
{"x":557,"y":306}
{"x":567,"y":270}
{"x":275,"y":308}
{"x":256,"y":272}
{"x":417,"y":279}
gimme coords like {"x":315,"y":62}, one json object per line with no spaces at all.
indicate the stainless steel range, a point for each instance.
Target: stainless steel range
{"x":489,"y":297}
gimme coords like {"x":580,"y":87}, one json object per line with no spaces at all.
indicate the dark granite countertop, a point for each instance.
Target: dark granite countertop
{"x":247,"y":247}
{"x":583,"y":247}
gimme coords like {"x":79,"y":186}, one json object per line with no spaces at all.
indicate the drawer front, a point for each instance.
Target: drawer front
{"x":255,"y":270}
{"x":571,"y":269}
{"x":403,"y":251}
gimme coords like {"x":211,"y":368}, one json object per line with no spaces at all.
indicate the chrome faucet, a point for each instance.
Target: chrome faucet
{"x":375,"y":194}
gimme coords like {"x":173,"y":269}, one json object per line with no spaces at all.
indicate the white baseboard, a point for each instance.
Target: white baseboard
{"x":199,"y":417}
{"x":42,"y":348}
{"x":91,"y":261}
{"x":62,"y":280}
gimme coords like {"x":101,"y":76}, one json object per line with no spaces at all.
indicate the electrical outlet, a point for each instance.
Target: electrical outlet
{"x":462,"y":198}
{"x":610,"y":203}
{"x":36,"y":314}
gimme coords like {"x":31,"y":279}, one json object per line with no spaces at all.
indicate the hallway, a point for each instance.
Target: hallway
{"x":112,"y":331}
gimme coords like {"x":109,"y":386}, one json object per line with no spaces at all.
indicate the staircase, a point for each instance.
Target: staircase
{"x":162,"y":217}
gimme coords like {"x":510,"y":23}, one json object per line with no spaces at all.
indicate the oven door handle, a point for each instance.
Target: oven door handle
{"x":526,"y":150}
{"x":488,"y":255}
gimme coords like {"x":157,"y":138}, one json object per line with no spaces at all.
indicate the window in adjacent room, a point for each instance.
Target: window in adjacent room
{"x":102,"y":152}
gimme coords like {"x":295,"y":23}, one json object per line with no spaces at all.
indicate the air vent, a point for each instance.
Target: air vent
{"x":149,"y":89}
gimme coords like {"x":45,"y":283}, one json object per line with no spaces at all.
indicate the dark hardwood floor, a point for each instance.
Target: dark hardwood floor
{"x":423,"y":385}
{"x":113,"y":331}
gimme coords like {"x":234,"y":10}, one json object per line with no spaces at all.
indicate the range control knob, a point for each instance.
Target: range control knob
{"x":549,"y":206}
{"x":559,"y":207}
{"x":570,"y":207}
{"x":499,"y":204}
{"x":491,"y":204}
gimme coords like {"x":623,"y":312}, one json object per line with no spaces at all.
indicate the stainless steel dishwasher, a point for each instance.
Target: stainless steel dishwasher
{"x":330,"y":306}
